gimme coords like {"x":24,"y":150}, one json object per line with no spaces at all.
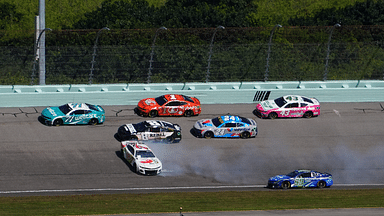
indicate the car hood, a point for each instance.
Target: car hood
{"x":148,"y":162}
{"x":267,"y":105}
{"x":278,"y":178}
{"x":52,"y":112}
{"x":203,"y":123}
{"x":148,"y":102}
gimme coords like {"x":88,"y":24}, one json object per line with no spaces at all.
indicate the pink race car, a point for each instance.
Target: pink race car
{"x":288,"y":106}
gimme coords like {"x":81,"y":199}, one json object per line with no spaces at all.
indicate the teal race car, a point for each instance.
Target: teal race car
{"x":73,"y":114}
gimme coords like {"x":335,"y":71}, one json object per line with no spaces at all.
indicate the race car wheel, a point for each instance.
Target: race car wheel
{"x":245,"y":135}
{"x":153,"y":113}
{"x":57,"y":122}
{"x":321,"y":184}
{"x":134,"y":168}
{"x":170,"y":139}
{"x":188,"y":113}
{"x":308,"y":114}
{"x":93,"y":121}
{"x":272,"y":115}
{"x":285,"y":185}
{"x":133,"y":138}
{"x":208,"y":134}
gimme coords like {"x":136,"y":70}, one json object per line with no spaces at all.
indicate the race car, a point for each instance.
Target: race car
{"x":169,"y":105}
{"x":288,"y":106}
{"x":225,"y":126}
{"x":301,"y":179}
{"x":150,"y":130}
{"x":72,"y":114}
{"x":141,"y":158}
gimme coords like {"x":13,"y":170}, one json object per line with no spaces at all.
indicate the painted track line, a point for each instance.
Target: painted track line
{"x":159,"y":188}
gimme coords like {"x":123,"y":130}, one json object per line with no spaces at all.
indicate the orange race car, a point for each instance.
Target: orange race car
{"x":169,"y":105}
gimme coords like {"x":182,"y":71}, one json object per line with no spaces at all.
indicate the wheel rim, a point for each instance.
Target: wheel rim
{"x":245,"y":135}
{"x":208,"y":135}
{"x":188,"y":113}
{"x":153,"y":113}
{"x":308,"y":115}
{"x":272,"y":115}
{"x":57,"y":122}
{"x":93,"y":122}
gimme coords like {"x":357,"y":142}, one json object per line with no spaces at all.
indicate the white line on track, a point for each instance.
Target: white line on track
{"x":160,"y":188}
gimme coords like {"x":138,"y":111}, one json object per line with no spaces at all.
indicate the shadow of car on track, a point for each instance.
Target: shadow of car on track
{"x":120,"y":155}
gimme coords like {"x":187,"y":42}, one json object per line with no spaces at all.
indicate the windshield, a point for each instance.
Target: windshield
{"x":145,"y":154}
{"x":217,"y":121}
{"x":161,"y":100}
{"x":65,"y":109}
{"x":280,"y":101}
{"x":307,"y":100}
{"x":188,"y":98}
{"x":292,"y":174}
{"x":245,"y":120}
{"x":140,"y":126}
{"x":93,"y":107}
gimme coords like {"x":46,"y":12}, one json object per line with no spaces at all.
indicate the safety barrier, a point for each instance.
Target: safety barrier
{"x":207,"y":93}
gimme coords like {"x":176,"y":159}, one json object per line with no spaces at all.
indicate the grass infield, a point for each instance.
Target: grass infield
{"x":190,"y":201}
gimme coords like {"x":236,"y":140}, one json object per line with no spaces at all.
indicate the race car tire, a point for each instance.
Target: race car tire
{"x":57,"y":122}
{"x":153,"y":113}
{"x":272,"y":115}
{"x":285,"y":185}
{"x":133,"y":138}
{"x":134,"y":167}
{"x":93,"y":121}
{"x":188,"y":113}
{"x":170,"y":139}
{"x":245,"y":135}
{"x":308,"y":114}
{"x":321,"y":184}
{"x":208,"y":135}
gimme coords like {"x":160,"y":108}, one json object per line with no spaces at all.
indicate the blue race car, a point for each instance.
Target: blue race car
{"x":301,"y":179}
{"x":225,"y":126}
{"x":73,"y":113}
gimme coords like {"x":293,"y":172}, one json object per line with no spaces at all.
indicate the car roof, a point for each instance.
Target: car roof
{"x":231,"y":118}
{"x":78,"y":106}
{"x":173,"y":97}
{"x":158,"y":123}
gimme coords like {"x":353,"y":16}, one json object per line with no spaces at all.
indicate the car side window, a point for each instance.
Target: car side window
{"x":306,"y":175}
{"x":230,"y":125}
{"x":77,"y":112}
{"x":239,"y":124}
{"x":303,"y":104}
{"x":155,"y":129}
{"x":292,"y":105}
{"x":173,"y":103}
{"x":130,"y":149}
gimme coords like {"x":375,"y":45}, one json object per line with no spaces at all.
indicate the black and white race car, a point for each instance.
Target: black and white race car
{"x":150,"y":130}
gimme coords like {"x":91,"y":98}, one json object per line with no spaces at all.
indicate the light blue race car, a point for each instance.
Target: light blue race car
{"x":72,"y":114}
{"x":301,"y":179}
{"x":225,"y":126}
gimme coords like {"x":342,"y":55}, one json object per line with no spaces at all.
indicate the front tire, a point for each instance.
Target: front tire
{"x":153,"y":113}
{"x":93,"y":121}
{"x":245,"y":135}
{"x":321,"y":184}
{"x":308,"y":114}
{"x":285,"y":185}
{"x":188,"y":113}
{"x":57,"y":122}
{"x":272,"y":115}
{"x":208,"y":135}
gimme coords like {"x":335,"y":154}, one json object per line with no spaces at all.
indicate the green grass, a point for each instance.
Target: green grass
{"x":191,"y":202}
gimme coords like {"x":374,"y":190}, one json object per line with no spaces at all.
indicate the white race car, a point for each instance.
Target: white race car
{"x":141,"y":158}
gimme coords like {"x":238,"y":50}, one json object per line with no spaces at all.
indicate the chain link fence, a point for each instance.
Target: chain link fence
{"x":290,"y":58}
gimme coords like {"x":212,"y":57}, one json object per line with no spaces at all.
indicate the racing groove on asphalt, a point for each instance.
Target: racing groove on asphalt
{"x":346,"y":141}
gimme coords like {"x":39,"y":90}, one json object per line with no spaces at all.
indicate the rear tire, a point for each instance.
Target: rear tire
{"x":208,"y":135}
{"x":153,"y":113}
{"x":272,"y":115}
{"x":57,"y":122}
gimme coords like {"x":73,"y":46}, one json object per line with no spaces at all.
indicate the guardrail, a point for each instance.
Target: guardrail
{"x":208,"y":93}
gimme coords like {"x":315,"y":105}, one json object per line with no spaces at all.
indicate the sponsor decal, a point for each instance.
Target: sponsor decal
{"x":147,"y":161}
{"x":52,"y":111}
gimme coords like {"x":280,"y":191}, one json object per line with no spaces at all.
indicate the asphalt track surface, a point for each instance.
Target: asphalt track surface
{"x":346,"y":140}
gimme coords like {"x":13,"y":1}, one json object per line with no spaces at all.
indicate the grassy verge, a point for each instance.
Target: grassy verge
{"x":191,"y":201}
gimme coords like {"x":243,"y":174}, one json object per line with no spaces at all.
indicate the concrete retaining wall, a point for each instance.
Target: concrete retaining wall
{"x":208,"y":93}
